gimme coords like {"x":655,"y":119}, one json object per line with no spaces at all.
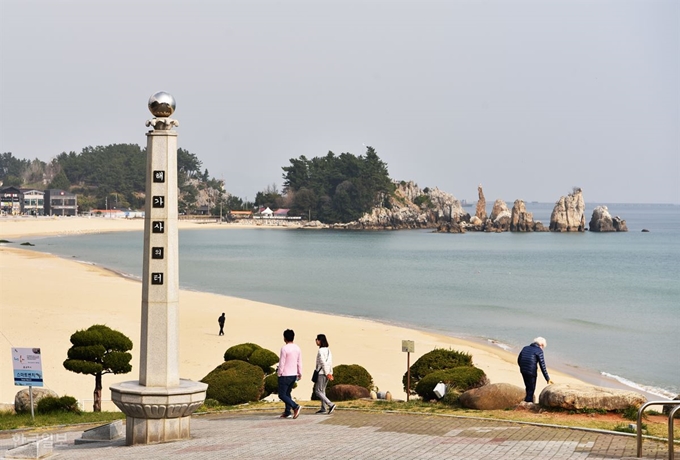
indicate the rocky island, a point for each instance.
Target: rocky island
{"x":411,"y":207}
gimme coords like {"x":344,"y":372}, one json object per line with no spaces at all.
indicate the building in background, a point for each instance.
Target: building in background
{"x":33,"y":202}
{"x":60,"y":203}
{"x":10,"y":201}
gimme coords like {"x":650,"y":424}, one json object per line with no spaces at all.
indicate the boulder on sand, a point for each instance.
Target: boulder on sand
{"x":577,"y":397}
{"x":495,"y":396}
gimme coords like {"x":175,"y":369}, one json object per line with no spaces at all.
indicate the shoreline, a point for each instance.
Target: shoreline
{"x":375,"y":345}
{"x":51,"y":226}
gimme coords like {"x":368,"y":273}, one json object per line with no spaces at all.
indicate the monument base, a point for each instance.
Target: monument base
{"x":157,"y":414}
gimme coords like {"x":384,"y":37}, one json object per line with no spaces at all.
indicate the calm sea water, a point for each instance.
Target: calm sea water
{"x":609,"y":303}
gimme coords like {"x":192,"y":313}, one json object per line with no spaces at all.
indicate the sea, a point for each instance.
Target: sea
{"x":607,"y":303}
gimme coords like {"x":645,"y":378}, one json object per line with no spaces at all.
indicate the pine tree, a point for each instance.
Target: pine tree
{"x":96,"y":351}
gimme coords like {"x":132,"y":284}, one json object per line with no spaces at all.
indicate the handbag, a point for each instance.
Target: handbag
{"x":315,"y":375}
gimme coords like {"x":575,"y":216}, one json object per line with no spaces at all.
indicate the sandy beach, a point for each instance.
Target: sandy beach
{"x":44,"y":299}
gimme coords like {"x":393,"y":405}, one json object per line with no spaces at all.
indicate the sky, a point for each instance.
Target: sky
{"x":527,"y":98}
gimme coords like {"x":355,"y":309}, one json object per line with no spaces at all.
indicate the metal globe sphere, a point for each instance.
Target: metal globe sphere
{"x":162,"y":104}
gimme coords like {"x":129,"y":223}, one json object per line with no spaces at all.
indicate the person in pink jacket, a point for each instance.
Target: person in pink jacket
{"x":289,"y":372}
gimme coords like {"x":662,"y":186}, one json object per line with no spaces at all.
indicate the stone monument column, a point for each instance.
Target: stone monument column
{"x":159,"y":405}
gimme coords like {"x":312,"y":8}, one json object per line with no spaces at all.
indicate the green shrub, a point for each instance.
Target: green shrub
{"x":631,"y":413}
{"x":422,"y":199}
{"x":264,"y":359}
{"x":351,"y":374}
{"x":437,"y":359}
{"x":211,"y":403}
{"x":460,"y":378}
{"x":241,"y":352}
{"x":451,"y":397}
{"x":271,"y":385}
{"x":50,"y":404}
{"x":235,"y":382}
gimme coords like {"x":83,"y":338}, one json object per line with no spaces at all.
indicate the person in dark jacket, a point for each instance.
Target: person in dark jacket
{"x":529,"y":359}
{"x":220,"y":321}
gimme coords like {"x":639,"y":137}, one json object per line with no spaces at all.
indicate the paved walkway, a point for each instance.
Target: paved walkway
{"x":349,"y":434}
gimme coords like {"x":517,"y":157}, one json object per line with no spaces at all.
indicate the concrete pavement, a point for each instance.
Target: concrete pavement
{"x":351,"y":434}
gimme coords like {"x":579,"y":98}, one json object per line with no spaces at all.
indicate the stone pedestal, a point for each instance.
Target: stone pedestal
{"x":157,"y":414}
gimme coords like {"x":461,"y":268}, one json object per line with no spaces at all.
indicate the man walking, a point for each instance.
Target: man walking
{"x":220,"y":321}
{"x":529,"y":359}
{"x":289,"y":371}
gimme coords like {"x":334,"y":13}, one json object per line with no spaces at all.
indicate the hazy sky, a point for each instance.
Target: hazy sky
{"x":528,"y":98}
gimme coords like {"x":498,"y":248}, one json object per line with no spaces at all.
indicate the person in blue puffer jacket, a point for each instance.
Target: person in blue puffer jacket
{"x":529,"y":359}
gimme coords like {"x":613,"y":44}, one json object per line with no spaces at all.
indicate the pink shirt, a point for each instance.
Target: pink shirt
{"x":290,"y":360}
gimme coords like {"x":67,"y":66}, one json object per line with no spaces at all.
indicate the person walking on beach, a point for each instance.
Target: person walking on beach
{"x":529,"y":359}
{"x":220,"y":321}
{"x":324,"y":367}
{"x":289,"y":371}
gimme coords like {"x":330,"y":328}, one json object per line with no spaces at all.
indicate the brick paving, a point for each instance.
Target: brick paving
{"x":350,"y":434}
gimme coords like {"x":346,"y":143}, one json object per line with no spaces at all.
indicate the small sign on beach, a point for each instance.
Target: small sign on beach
{"x":408,"y":346}
{"x":27,"y":364}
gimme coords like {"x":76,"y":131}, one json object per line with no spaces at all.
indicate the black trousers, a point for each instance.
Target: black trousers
{"x":530,"y":385}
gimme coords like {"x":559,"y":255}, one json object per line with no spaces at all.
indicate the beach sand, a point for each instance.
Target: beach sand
{"x":44,"y":299}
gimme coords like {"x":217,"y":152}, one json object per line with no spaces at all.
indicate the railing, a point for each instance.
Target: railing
{"x":671,"y":414}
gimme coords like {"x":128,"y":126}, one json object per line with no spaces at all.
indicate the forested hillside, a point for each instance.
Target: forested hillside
{"x":111,"y":176}
{"x":331,"y":189}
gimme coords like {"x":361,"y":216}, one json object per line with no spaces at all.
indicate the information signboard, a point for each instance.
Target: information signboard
{"x":408,"y":346}
{"x":27,"y":366}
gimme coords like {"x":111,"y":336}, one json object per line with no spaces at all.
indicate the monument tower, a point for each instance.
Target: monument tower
{"x":159,"y":405}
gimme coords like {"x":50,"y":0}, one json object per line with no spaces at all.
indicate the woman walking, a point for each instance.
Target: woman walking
{"x":324,"y":366}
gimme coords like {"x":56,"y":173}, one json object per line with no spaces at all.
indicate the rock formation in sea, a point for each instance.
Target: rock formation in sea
{"x":568,"y":213}
{"x":523,"y":221}
{"x":412,"y":207}
{"x":480,"y":212}
{"x":601,"y":221}
{"x":499,"y":220}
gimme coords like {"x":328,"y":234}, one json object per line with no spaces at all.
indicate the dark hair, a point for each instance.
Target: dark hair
{"x":322,"y":340}
{"x":288,"y":335}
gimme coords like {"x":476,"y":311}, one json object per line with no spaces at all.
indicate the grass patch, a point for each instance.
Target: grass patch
{"x":11,"y":421}
{"x":627,"y":428}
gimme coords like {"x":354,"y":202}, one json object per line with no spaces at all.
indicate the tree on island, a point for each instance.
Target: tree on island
{"x":334,"y":188}
{"x":96,"y":351}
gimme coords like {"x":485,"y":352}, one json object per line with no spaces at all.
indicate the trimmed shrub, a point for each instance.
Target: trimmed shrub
{"x":351,"y":374}
{"x":235,"y":382}
{"x":460,"y":378}
{"x":50,"y":404}
{"x":347,"y":392}
{"x":437,"y":359}
{"x":271,"y":385}
{"x":264,"y":359}
{"x":241,"y":352}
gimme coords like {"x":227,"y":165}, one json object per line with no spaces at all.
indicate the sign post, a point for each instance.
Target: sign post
{"x":408,"y":347}
{"x":27,"y":365}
